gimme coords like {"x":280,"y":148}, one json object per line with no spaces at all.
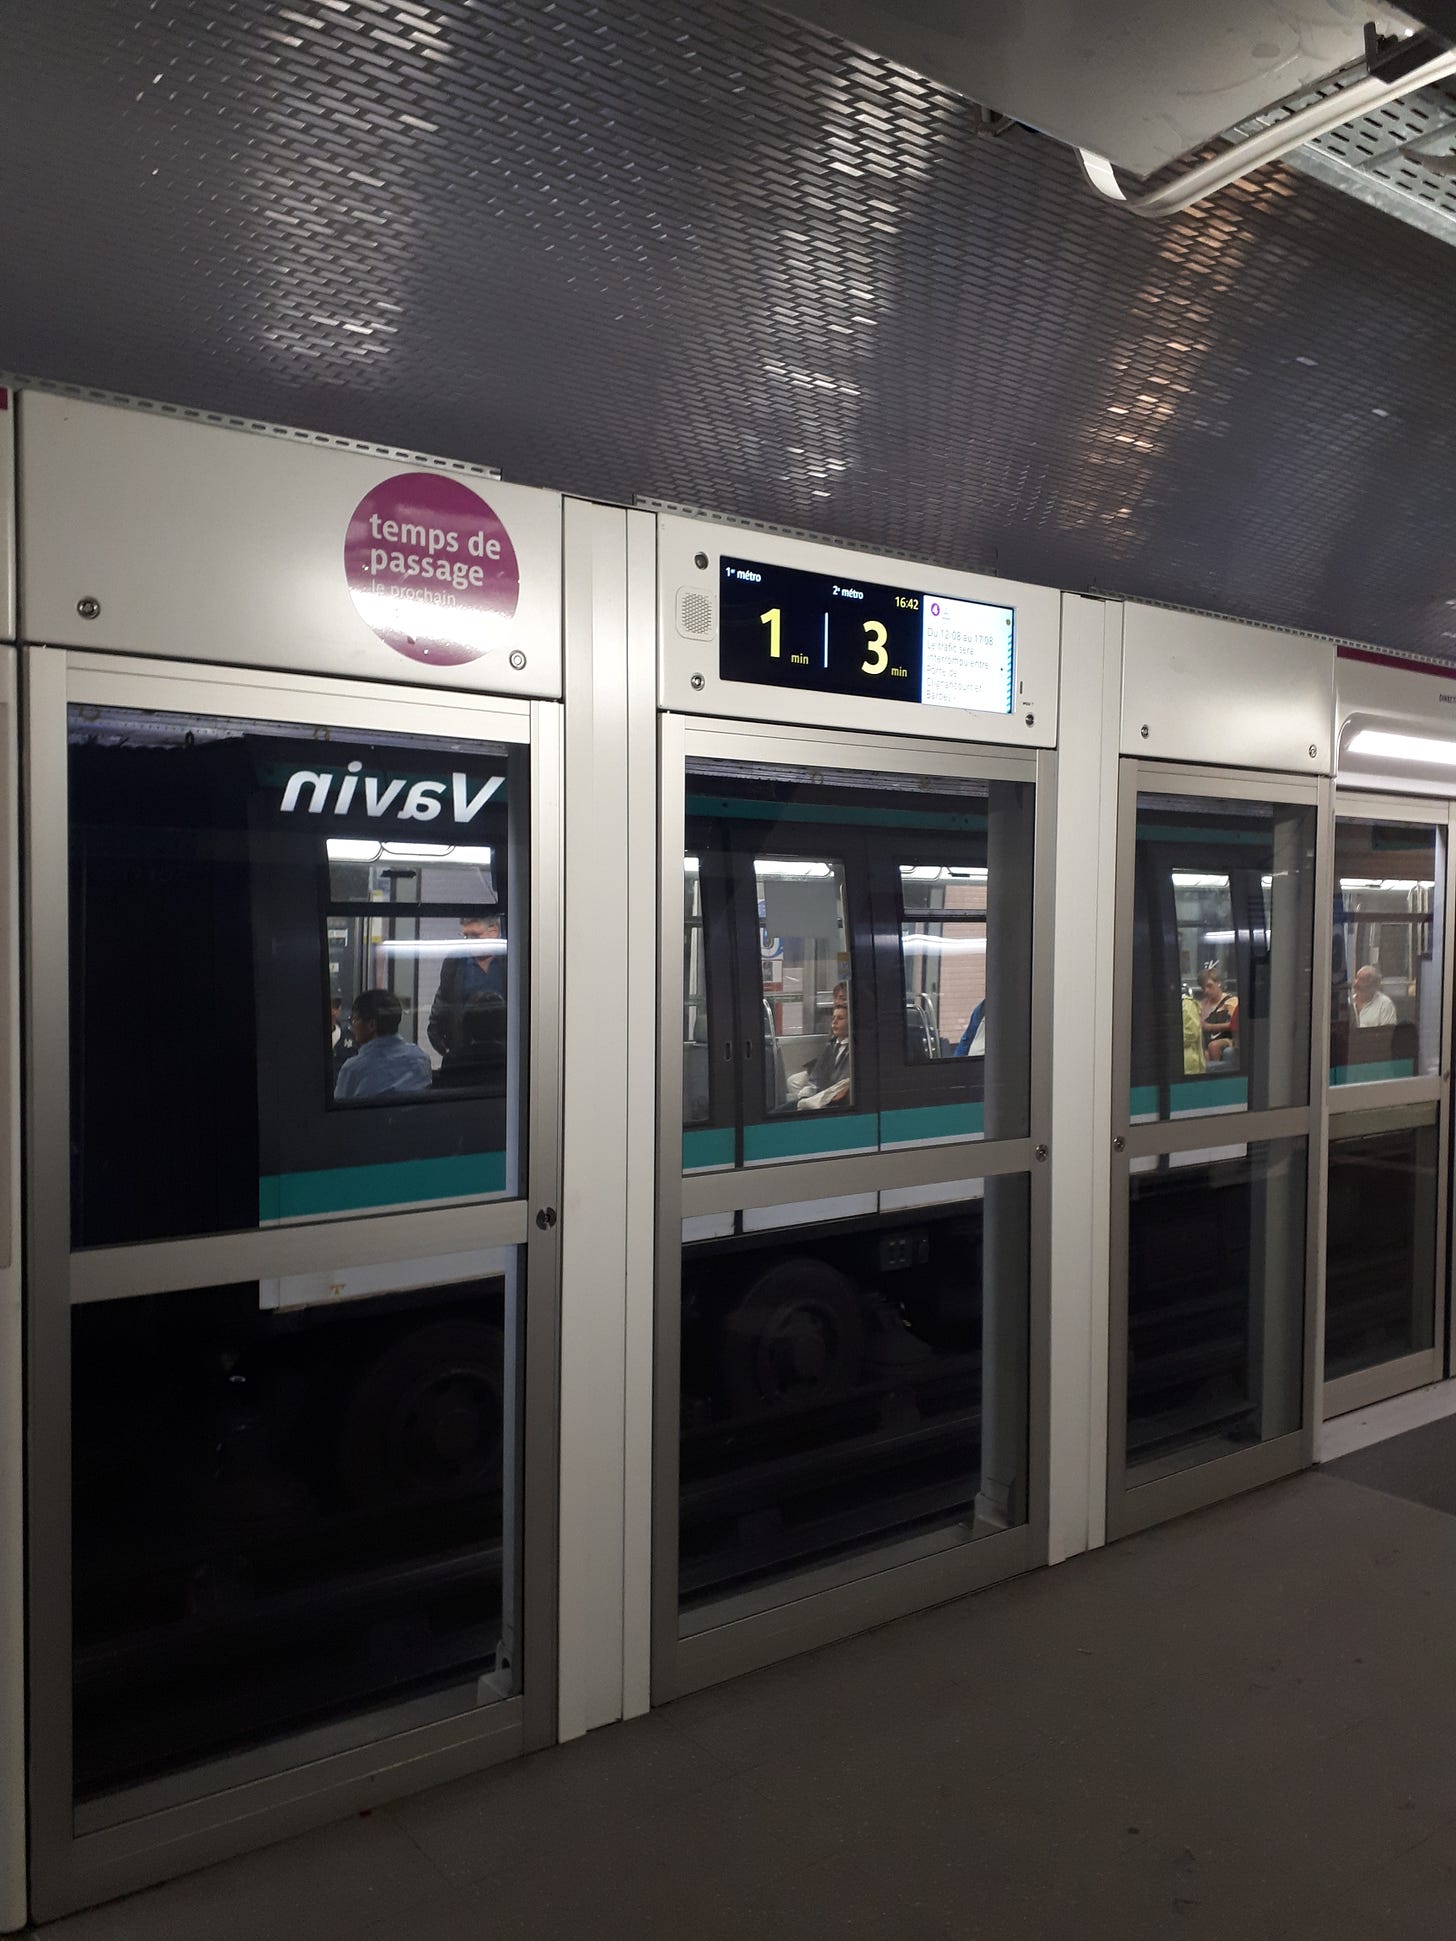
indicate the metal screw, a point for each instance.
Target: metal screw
{"x":1031,"y":721}
{"x":545,"y":1217}
{"x":1118,"y":1143}
{"x":697,"y":684}
{"x":700,"y":560}
{"x":1313,"y":750}
{"x":1143,"y":731}
{"x":88,"y":608}
{"x":518,"y":659}
{"x":1041,"y":1152}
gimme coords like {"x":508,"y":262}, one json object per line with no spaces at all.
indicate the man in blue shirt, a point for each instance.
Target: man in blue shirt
{"x":466,"y":976}
{"x":384,"y":1065}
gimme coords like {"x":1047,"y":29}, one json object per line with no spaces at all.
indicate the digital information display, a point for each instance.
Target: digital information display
{"x":784,"y":628}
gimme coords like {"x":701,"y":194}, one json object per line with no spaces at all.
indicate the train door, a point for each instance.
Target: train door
{"x":1389,"y":1077}
{"x":292,"y":1090}
{"x":1213,"y":1088}
{"x":853,"y":1136}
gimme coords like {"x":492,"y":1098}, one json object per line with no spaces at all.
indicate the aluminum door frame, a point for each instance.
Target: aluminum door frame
{"x":872,"y":1596}
{"x":227,"y":1804}
{"x":1353,"y":1102}
{"x":1144,"y":1504}
{"x":12,"y":1414}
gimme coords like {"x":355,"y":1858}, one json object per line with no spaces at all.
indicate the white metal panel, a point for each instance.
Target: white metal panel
{"x":1196,"y":689}
{"x":203,"y":543}
{"x":1402,"y":697}
{"x":689,"y":680}
{"x":642,"y":872}
{"x":594,"y":1233}
{"x":1082,"y":1012}
{"x":12,"y":1508}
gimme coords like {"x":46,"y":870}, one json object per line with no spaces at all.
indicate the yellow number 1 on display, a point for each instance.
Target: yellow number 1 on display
{"x":773,"y":620}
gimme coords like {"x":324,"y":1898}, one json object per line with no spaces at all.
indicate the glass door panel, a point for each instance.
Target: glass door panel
{"x":292,"y":970}
{"x":873,"y":992}
{"x":1223,"y":933}
{"x":1387,"y":971}
{"x":849,"y":1384}
{"x":1211,"y":1124}
{"x":1383,"y":1245}
{"x":311,"y":955}
{"x":1215,"y":1315}
{"x":849,"y":1250}
{"x":289,"y":1506}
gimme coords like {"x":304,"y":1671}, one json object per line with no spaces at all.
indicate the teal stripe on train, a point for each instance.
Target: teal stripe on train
{"x":811,"y":1133}
{"x":710,"y":1147}
{"x":400,"y":1182}
{"x":1192,"y":1095}
{"x":1372,"y":1073}
{"x":910,"y":1123}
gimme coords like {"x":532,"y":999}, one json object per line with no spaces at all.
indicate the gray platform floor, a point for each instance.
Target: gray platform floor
{"x":1242,"y":1725}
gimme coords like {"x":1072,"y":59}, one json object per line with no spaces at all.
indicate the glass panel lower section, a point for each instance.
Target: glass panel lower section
{"x":290,"y":1506}
{"x":1215,"y":1343}
{"x":854,"y":1390}
{"x":1380,"y":1274}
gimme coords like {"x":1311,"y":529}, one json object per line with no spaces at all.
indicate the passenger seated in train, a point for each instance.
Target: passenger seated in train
{"x":1218,"y":1015}
{"x":466,"y":976}
{"x":1368,"y":1000}
{"x":972,"y":1041}
{"x":384,"y":1065}
{"x":826,"y":1080}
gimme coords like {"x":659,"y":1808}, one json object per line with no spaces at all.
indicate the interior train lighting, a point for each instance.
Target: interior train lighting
{"x":441,"y":946}
{"x":942,"y":873}
{"x":1403,"y":748}
{"x":359,"y":849}
{"x":789,"y":870}
{"x":943,"y":946}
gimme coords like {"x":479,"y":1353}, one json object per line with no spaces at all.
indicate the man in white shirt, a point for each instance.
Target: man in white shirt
{"x":384,"y":1065}
{"x":1372,"y":1006}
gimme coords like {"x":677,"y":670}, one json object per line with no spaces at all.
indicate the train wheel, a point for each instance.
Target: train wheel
{"x":796,"y":1338}
{"x":426,"y":1418}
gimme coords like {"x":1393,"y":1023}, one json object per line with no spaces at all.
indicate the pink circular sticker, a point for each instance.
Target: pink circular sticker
{"x":431,"y":569}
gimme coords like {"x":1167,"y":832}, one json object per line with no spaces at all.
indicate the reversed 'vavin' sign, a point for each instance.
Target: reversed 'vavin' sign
{"x":431,"y":568}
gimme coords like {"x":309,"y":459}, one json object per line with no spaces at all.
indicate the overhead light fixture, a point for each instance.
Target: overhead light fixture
{"x":1402,"y":748}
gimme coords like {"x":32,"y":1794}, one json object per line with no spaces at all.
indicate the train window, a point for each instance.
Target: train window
{"x":804,"y":962}
{"x":1216,"y":1248}
{"x":424,"y":923}
{"x":1387,"y":970}
{"x":1222,"y":936}
{"x":943,"y":954}
{"x":299,"y":950}
{"x":869,"y":990}
{"x":850,"y":1384}
{"x":289,"y":1505}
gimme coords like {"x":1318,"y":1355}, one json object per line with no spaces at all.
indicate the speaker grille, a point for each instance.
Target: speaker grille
{"x":694,"y":613}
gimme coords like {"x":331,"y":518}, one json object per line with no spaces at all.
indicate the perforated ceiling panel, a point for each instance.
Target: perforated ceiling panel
{"x":710,"y":255}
